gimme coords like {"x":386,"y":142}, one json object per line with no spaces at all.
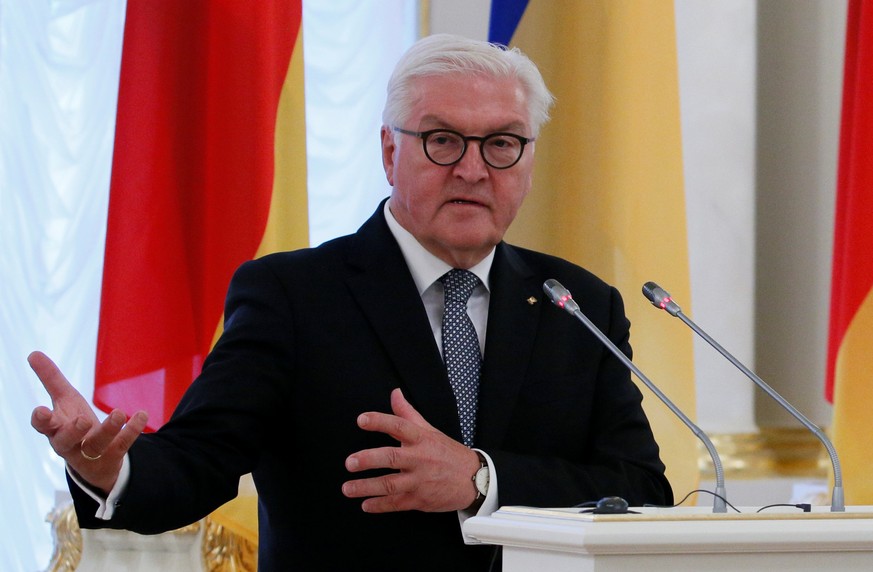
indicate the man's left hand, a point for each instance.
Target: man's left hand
{"x":433,"y":470}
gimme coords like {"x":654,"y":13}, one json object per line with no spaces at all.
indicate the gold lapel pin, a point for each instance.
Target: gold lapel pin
{"x":532,"y":300}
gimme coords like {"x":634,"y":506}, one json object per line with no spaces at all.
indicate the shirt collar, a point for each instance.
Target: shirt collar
{"x":424,"y":266}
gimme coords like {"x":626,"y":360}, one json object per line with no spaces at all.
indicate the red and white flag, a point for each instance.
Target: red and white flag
{"x":209,"y":156}
{"x":850,"y":351}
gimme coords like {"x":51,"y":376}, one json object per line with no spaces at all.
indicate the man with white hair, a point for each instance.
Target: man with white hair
{"x":386,"y":385}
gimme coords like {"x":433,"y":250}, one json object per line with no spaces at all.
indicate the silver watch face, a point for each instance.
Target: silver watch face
{"x":483,"y":477}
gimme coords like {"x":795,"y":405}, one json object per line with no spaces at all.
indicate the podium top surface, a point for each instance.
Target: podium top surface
{"x":696,"y":513}
{"x":677,"y":530}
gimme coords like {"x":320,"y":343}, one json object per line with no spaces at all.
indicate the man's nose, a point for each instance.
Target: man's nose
{"x":472,"y":166}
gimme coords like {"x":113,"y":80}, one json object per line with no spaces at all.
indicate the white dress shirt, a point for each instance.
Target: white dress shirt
{"x":426,"y":270}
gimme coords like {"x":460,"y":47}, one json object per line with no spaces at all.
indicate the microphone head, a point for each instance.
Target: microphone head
{"x":660,"y":298}
{"x":560,"y":296}
{"x":648,"y":291}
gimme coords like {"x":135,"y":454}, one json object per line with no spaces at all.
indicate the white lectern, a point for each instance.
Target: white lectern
{"x":679,"y":539}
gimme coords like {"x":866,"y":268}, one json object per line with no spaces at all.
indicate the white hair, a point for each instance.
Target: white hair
{"x":443,"y":54}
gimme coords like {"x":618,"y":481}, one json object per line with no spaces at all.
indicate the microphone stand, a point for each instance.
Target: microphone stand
{"x":661,"y":299}
{"x":561,"y":297}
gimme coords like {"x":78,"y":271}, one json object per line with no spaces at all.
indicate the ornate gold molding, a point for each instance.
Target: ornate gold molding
{"x":222,"y":550}
{"x":67,"y":551}
{"x":772,"y":452}
{"x":226,"y":551}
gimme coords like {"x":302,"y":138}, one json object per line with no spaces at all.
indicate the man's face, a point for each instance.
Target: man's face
{"x":458,"y":212}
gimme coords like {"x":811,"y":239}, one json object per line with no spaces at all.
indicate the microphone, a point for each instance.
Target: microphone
{"x":562,"y":298}
{"x":661,"y":299}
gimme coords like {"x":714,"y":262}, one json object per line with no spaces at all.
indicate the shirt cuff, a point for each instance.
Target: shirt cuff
{"x":489,"y":505}
{"x":105,"y":506}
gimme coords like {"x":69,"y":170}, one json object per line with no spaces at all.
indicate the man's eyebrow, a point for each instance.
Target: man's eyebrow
{"x":436,"y":122}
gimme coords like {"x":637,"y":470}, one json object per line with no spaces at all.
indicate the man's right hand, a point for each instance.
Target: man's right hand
{"x":92,"y":449}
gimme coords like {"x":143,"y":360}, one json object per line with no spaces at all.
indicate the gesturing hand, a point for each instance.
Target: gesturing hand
{"x":94,"y":450}
{"x":434,"y":470}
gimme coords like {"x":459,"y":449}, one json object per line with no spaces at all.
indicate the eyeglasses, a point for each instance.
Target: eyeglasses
{"x":446,"y":147}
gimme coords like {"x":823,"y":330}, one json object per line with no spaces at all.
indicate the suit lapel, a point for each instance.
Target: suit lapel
{"x":513,"y":317}
{"x":385,"y":291}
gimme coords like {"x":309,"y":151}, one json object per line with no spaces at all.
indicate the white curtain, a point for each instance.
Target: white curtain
{"x":59,"y":65}
{"x":349,"y":49}
{"x":58,"y":77}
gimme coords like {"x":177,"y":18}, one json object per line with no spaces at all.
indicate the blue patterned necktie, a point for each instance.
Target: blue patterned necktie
{"x":461,"y":348}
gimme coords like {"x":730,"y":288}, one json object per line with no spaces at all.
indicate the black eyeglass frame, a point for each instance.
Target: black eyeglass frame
{"x":423,"y":135}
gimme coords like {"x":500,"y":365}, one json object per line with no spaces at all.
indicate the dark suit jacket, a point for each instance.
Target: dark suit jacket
{"x":315,"y":337}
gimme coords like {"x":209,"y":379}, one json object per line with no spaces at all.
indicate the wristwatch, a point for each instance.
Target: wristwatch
{"x":482,"y":477}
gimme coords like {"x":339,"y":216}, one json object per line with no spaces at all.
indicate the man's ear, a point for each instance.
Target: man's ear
{"x":388,"y":149}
